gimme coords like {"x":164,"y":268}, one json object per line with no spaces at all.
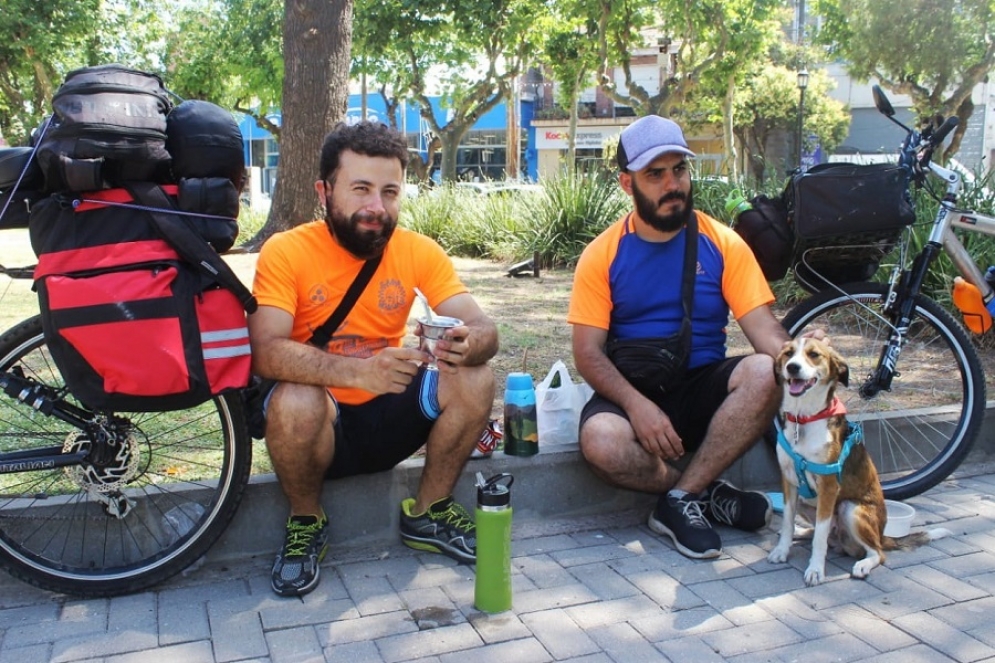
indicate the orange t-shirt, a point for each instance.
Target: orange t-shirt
{"x":305,"y":272}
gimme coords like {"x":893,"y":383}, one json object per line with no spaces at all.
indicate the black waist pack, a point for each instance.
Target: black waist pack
{"x":652,"y":365}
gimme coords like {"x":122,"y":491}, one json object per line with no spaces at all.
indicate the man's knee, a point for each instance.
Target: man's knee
{"x":299,"y":408}
{"x":600,"y":439}
{"x":469,"y":386}
{"x":755,"y":374}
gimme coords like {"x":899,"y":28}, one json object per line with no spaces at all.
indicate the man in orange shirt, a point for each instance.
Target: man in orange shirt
{"x":628,"y":289}
{"x":365,"y":403}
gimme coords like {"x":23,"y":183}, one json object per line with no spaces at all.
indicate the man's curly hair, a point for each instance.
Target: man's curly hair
{"x":373,"y":139}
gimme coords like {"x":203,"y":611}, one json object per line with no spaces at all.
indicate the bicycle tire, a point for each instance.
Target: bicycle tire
{"x":191,"y":471}
{"x":920,"y":430}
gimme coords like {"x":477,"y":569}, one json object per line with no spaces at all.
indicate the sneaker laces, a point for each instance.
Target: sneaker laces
{"x":299,"y":537}
{"x":694,"y":511}
{"x":725,"y":509}
{"x":456,"y":516}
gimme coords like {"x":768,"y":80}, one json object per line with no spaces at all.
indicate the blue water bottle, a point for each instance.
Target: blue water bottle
{"x":521,"y":427}
{"x":990,"y":278}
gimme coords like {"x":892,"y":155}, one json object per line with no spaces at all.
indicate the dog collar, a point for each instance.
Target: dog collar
{"x":855,"y":435}
{"x":834,"y":408}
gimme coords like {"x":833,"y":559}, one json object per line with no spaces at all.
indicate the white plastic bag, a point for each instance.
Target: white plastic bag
{"x":558,"y":409}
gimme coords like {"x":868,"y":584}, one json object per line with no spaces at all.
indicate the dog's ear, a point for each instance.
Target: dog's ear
{"x":780,"y":360}
{"x":842,"y":370}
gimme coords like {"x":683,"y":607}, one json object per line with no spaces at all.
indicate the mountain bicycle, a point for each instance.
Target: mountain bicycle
{"x":98,"y":504}
{"x":916,"y":382}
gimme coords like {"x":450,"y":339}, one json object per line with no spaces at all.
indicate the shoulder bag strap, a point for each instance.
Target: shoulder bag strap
{"x":690,"y":266}
{"x":323,"y":334}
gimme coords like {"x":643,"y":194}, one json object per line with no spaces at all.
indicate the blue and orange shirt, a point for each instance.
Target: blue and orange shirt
{"x":632,"y":288}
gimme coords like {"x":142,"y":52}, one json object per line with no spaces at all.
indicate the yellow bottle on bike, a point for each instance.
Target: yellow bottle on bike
{"x":967,"y":298}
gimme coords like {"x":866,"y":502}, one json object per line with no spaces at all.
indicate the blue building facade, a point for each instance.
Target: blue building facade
{"x":482,"y":155}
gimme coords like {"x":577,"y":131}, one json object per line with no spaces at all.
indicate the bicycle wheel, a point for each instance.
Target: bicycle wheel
{"x":920,"y":430}
{"x":124,"y":523}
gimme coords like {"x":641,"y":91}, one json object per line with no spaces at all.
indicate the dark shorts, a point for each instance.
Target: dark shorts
{"x":690,"y":407}
{"x":379,"y":434}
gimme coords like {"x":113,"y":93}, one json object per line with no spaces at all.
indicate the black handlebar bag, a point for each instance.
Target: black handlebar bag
{"x":846,"y":217}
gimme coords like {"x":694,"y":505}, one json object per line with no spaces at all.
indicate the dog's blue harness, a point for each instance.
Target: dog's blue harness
{"x":855,"y":435}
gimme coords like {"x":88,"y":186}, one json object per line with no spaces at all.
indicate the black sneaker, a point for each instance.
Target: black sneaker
{"x":295,"y":572}
{"x":683,"y":520}
{"x":445,"y":528}
{"x":747,"y":510}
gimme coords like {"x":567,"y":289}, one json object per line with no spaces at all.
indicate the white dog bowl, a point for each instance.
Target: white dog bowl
{"x":900,"y":517}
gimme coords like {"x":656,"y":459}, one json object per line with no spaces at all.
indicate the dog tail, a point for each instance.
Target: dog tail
{"x":915,"y":539}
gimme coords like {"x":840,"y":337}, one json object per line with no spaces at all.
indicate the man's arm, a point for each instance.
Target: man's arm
{"x":763,"y":330}
{"x":473,"y":344}
{"x":275,"y":355}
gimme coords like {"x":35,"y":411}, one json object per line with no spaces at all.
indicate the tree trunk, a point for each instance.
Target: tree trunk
{"x":317,"y":40}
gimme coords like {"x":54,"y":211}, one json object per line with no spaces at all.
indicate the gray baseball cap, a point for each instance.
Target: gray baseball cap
{"x":646,"y":139}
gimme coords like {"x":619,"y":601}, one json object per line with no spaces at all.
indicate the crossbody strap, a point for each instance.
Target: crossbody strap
{"x":690,"y":267}
{"x":323,"y":334}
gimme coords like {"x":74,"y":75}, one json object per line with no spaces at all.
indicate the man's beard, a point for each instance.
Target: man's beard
{"x":363,"y":244}
{"x":674,"y":221}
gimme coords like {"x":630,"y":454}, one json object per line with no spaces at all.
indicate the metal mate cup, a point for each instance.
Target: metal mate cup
{"x":432,"y":330}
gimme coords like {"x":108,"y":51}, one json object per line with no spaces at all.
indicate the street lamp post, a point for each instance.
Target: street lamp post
{"x":802,"y":84}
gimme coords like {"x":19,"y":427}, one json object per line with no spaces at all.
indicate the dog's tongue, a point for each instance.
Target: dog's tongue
{"x":797,"y":386}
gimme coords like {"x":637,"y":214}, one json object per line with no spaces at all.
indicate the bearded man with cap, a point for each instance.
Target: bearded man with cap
{"x":673,"y":436}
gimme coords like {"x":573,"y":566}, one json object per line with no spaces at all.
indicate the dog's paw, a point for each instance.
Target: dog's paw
{"x":814,"y":576}
{"x":862,"y":569}
{"x":778,"y":555}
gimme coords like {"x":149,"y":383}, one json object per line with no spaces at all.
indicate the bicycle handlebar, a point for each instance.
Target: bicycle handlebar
{"x":948,"y":125}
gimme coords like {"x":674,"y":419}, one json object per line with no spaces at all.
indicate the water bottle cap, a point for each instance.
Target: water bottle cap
{"x":495,"y":491}
{"x":519,"y":381}
{"x":735,"y":202}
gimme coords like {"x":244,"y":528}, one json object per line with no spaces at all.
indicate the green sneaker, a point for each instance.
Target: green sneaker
{"x":295,"y":572}
{"x":445,"y":528}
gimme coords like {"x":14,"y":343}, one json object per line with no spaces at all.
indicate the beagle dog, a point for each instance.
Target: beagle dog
{"x":825,"y":469}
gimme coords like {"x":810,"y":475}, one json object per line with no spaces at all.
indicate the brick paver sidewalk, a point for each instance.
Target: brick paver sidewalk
{"x":580,"y":594}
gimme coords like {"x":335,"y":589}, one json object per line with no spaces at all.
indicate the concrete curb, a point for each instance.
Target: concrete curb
{"x":364,"y":511}
{"x":554,"y":485}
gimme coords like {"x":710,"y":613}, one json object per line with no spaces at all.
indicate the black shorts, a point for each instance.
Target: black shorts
{"x":690,"y":406}
{"x":377,"y":435}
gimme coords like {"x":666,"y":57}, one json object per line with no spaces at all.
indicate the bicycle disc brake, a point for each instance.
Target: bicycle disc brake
{"x":111,"y":462}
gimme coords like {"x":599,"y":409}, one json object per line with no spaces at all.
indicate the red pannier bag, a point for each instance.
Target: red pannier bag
{"x":130,"y":324}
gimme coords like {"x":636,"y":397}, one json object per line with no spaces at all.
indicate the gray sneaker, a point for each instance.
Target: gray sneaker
{"x":445,"y":528}
{"x":295,"y":572}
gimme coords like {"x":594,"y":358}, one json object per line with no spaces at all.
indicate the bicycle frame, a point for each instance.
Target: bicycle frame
{"x":949,"y":217}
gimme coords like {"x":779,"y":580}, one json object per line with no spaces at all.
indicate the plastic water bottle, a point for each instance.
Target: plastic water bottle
{"x":521,"y":427}
{"x":492,"y":585}
{"x":736,"y":204}
{"x":990,"y":279}
{"x":967,"y":298}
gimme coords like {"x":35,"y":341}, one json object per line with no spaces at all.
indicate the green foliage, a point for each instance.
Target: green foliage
{"x":935,"y":51}
{"x":768,"y":103}
{"x":558,"y":222}
{"x":577,"y":206}
{"x":200,"y":53}
{"x":42,"y":41}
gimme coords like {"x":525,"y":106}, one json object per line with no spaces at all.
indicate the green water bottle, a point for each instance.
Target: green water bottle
{"x":492,"y":585}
